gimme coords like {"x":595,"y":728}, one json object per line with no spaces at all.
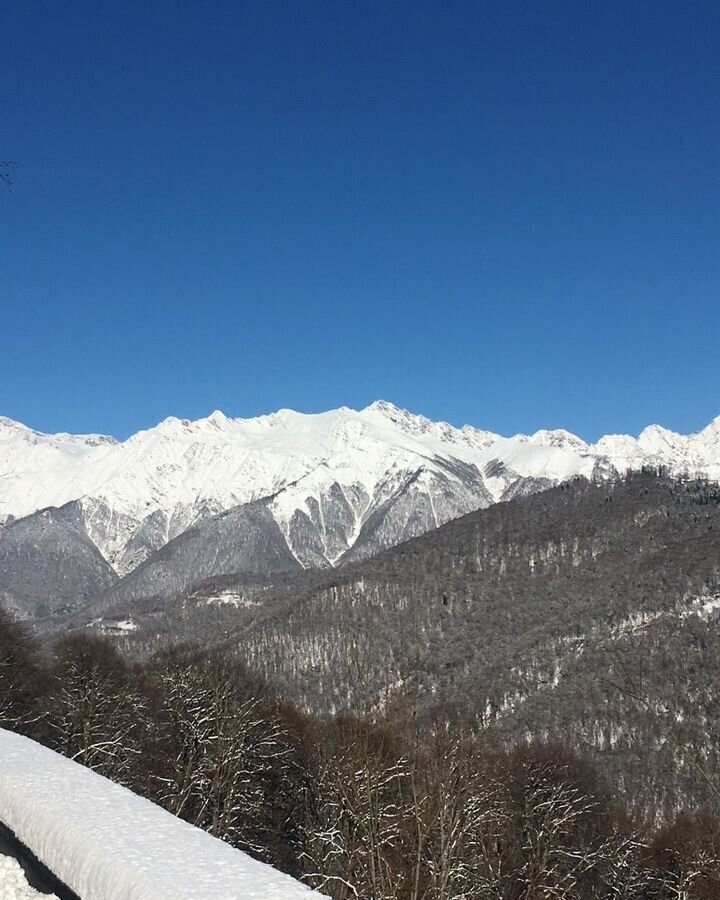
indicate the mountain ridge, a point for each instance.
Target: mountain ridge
{"x":339,"y":485}
{"x":105,"y":460}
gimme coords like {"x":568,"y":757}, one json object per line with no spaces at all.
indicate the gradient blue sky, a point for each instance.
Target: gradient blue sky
{"x":499,"y":213}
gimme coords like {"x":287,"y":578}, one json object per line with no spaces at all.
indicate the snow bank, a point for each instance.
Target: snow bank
{"x":106,"y":843}
{"x":13,"y":884}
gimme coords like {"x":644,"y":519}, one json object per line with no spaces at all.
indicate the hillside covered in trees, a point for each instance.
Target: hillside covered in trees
{"x":383,"y":811}
{"x":586,"y":615}
{"x":520,"y":704}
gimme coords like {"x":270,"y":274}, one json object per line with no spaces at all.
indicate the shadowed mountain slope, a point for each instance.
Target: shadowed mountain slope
{"x":49,"y":565}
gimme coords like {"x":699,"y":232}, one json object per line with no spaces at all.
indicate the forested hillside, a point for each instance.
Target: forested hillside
{"x":539,"y":617}
{"x":391,"y":810}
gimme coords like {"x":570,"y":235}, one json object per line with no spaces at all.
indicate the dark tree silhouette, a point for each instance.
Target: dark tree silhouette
{"x":21,"y":675}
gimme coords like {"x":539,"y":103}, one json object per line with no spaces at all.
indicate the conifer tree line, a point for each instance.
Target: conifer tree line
{"x":360,"y":810}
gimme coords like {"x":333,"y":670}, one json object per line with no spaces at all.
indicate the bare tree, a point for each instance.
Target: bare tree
{"x":95,"y":715}
{"x":354,"y":837}
{"x":467,"y":817}
{"x":21,"y":676}
{"x":226,"y":749}
{"x":687,"y":857}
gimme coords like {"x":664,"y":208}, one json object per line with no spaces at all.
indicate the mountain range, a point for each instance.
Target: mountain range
{"x":380,"y":563}
{"x":83,"y":516}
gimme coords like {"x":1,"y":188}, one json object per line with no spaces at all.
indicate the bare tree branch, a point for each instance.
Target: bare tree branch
{"x":6,"y":167}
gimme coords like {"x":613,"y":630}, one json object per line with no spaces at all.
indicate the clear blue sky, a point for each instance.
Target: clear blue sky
{"x":500,"y":213}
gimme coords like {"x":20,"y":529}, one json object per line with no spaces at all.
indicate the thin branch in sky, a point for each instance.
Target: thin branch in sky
{"x":6,"y":167}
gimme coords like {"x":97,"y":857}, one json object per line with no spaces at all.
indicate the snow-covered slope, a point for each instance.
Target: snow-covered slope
{"x":343,"y":483}
{"x":106,"y":843}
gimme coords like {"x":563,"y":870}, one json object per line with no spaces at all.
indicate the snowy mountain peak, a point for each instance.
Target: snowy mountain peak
{"x":558,"y":437}
{"x":401,"y":417}
{"x":11,"y":423}
{"x":413,"y":424}
{"x":11,"y":428}
{"x":331,"y":474}
{"x":383,"y":406}
{"x":711,"y":431}
{"x":655,"y":434}
{"x":218,"y":419}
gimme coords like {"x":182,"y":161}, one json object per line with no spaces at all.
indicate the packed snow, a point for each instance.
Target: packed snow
{"x":13,"y":884}
{"x":106,"y":843}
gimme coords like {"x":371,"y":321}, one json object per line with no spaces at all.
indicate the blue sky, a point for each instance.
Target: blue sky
{"x":506,"y":214}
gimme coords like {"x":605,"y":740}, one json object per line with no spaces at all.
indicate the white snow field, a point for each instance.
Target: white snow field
{"x":13,"y":884}
{"x":106,"y":843}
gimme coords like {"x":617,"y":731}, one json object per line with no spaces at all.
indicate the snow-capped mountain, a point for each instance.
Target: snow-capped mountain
{"x":338,"y":485}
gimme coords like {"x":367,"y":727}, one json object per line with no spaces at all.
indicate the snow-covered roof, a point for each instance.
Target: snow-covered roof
{"x":106,"y":843}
